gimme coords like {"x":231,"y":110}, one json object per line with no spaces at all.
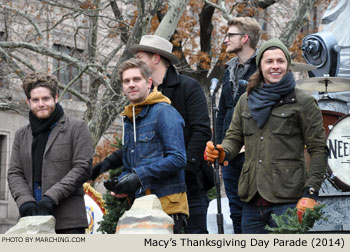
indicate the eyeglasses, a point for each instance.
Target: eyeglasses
{"x":230,"y":34}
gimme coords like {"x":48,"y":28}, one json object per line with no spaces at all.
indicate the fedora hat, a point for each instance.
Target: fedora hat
{"x":155,"y":44}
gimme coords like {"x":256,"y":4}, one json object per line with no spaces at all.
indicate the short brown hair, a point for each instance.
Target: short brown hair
{"x":134,"y":63}
{"x":40,"y":79}
{"x":165,"y":61}
{"x":249,"y":26}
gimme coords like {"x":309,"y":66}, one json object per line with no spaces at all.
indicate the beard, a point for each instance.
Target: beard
{"x":234,"y":50}
{"x":43,"y":114}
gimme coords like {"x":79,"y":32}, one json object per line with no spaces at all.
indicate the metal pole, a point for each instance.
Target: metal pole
{"x":219,"y":216}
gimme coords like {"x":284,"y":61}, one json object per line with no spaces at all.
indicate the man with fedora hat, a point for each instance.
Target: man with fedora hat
{"x":188,"y":98}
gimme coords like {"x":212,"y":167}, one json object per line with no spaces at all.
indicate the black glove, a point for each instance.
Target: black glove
{"x":28,"y":209}
{"x":112,"y":161}
{"x":128,"y":184}
{"x":110,"y":184}
{"x":46,"y":206}
{"x":100,"y":167}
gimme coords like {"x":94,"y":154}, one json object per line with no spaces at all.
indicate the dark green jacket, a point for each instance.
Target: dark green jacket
{"x":274,"y":159}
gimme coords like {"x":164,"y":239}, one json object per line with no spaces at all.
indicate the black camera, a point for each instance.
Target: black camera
{"x":110,"y":184}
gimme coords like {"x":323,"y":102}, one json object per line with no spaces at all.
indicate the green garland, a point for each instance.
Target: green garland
{"x":288,"y":223}
{"x":115,"y":208}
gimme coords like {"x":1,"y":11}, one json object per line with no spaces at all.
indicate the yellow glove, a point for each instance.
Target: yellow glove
{"x":211,"y":153}
{"x":303,"y":204}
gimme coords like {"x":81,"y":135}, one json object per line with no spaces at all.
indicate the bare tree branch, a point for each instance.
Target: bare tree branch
{"x":292,"y":28}
{"x":20,"y":108}
{"x":15,"y":68}
{"x":91,"y":69}
{"x":9,"y":8}
{"x":102,"y":29}
{"x":221,"y":7}
{"x":67,"y":87}
{"x":124,"y":34}
{"x":264,"y":3}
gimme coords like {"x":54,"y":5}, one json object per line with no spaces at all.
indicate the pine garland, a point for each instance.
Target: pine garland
{"x":288,"y":222}
{"x":115,"y":208}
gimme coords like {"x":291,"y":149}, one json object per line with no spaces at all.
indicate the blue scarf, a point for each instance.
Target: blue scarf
{"x":262,"y":99}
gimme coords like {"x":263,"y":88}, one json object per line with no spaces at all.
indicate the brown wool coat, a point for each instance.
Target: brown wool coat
{"x":67,"y":164}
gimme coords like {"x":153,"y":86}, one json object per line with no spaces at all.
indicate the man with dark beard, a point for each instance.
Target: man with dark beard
{"x":51,"y":159}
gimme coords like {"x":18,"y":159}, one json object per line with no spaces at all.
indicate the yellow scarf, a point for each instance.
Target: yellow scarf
{"x":154,"y":97}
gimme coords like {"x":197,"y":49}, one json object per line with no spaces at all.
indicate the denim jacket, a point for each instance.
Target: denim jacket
{"x":157,"y":155}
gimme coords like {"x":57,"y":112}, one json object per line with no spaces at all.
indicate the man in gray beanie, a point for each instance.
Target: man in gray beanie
{"x":275,"y":121}
{"x":275,"y":42}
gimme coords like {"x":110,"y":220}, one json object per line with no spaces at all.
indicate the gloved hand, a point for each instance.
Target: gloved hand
{"x":112,"y":161}
{"x":28,"y":209}
{"x":211,"y":153}
{"x":303,"y":204}
{"x":101,"y":167}
{"x":46,"y":206}
{"x":128,"y":184}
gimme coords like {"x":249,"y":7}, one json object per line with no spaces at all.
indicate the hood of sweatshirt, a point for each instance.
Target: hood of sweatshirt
{"x":131,"y":111}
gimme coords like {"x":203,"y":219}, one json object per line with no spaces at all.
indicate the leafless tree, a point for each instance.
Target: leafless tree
{"x":104,"y":29}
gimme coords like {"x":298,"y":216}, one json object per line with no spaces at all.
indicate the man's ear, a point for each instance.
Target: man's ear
{"x":149,"y":82}
{"x":156,"y":58}
{"x":245,"y":38}
{"x":28,"y":102}
{"x":56,"y":98}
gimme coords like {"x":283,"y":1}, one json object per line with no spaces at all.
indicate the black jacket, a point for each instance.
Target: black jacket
{"x":227,"y":103}
{"x":188,"y":98}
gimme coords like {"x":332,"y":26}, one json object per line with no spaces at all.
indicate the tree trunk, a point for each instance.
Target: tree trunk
{"x":169,"y":22}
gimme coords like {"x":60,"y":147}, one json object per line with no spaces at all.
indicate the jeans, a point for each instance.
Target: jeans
{"x":198,"y":205}
{"x":230,"y":175}
{"x":255,"y":218}
{"x":37,"y":191}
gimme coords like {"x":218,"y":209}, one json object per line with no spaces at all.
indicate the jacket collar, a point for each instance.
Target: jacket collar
{"x":288,"y":98}
{"x":60,"y":127}
{"x":132,"y":110}
{"x":234,"y":60}
{"x":171,"y":78}
{"x":144,"y":111}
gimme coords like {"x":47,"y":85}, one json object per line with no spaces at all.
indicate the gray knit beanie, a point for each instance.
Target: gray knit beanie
{"x":270,"y":43}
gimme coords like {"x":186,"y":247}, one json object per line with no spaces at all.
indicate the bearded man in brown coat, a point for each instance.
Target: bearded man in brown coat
{"x":51,"y":159}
